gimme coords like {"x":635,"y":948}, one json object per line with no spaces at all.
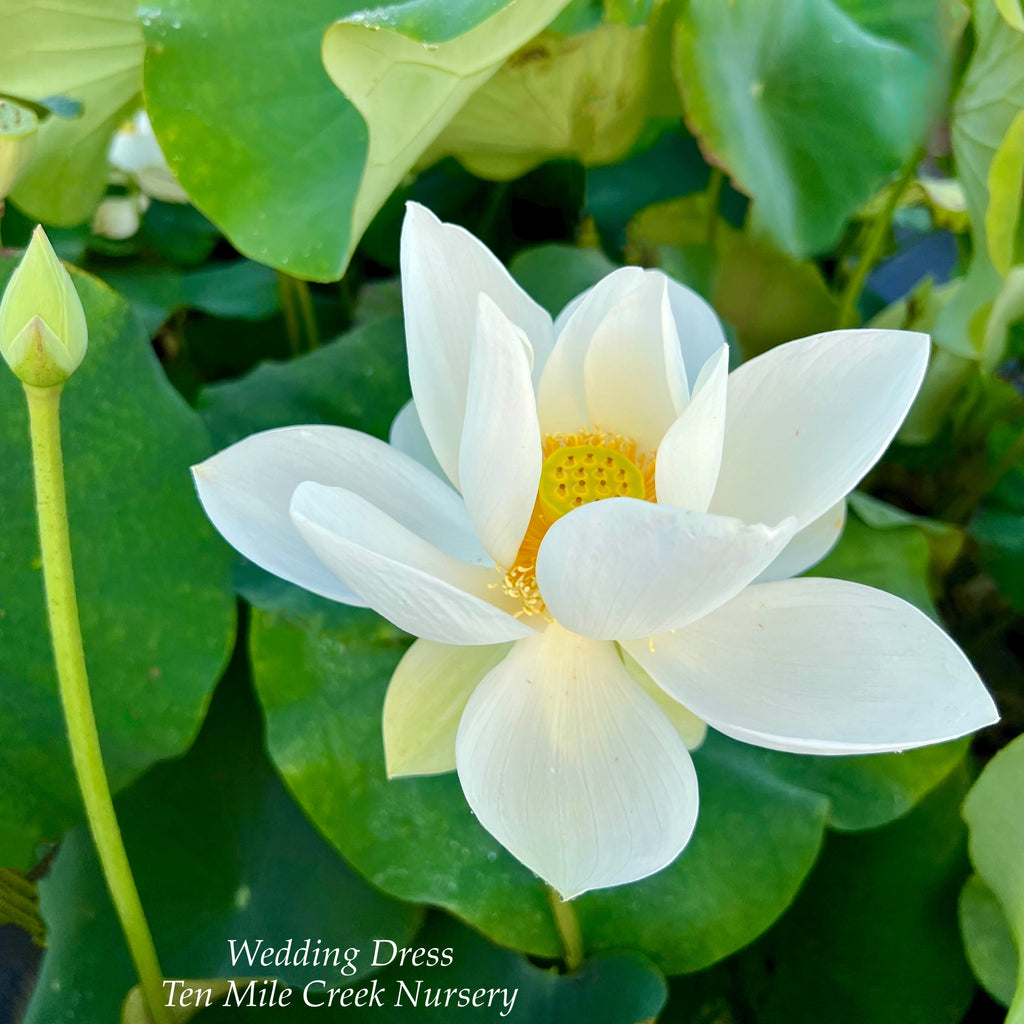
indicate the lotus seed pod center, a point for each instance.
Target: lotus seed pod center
{"x":578,"y":468}
{"x":579,"y":474}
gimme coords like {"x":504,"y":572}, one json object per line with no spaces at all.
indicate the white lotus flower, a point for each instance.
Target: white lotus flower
{"x":571,"y":648}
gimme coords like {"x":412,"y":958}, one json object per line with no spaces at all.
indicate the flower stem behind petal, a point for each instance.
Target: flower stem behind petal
{"x":847,"y":316}
{"x":568,"y":930}
{"x":62,"y":607}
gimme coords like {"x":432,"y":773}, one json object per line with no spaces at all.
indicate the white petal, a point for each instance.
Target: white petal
{"x":425,"y":700}
{"x":408,"y":436}
{"x":699,"y":329}
{"x":500,"y":455}
{"x":561,"y":396}
{"x":691,"y":729}
{"x":633,"y":370}
{"x":398,"y":574}
{"x":573,"y":768}
{"x":622,"y":568}
{"x":809,"y":546}
{"x":444,"y":270}
{"x":691,"y":452}
{"x":246,"y":490}
{"x":808,"y":419}
{"x":821,"y":666}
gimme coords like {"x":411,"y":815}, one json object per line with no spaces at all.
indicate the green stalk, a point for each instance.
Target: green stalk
{"x":714,"y":195}
{"x":291,"y":317}
{"x":568,"y":928}
{"x":305,"y":301}
{"x":873,"y":246}
{"x":65,"y":629}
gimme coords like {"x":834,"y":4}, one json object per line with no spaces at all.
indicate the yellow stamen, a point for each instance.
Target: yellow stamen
{"x":578,"y":468}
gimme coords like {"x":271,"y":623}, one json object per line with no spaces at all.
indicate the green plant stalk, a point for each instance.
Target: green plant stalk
{"x":714,"y":194}
{"x":847,"y":316}
{"x":65,"y":629}
{"x":568,"y":928}
{"x":291,"y":316}
{"x":305,"y":302}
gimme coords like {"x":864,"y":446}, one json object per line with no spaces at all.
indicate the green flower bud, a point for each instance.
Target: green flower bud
{"x":43,"y":333}
{"x":17,"y":143}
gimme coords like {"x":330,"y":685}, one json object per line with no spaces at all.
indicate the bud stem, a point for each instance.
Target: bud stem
{"x":65,"y":629}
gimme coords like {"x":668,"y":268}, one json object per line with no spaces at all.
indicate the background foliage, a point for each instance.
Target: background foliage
{"x":805,"y":164}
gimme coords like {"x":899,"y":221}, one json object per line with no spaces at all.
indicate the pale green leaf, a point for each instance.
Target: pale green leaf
{"x":384,"y":72}
{"x":579,"y":96}
{"x":90,"y":51}
{"x":1005,"y":177}
{"x":1005,"y":311}
{"x":1012,"y":12}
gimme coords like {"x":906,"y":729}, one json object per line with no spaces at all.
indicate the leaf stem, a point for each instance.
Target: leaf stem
{"x":291,"y":317}
{"x":305,"y":301}
{"x":873,"y":246}
{"x":714,"y":194}
{"x":69,"y":655}
{"x":568,"y":928}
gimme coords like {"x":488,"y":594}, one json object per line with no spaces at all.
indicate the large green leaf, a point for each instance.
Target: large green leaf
{"x":91,"y":52}
{"x":811,"y":104}
{"x":872,"y":938}
{"x":219,"y":852}
{"x":992,"y":812}
{"x":153,"y":579}
{"x":290,"y":169}
{"x":240,"y":290}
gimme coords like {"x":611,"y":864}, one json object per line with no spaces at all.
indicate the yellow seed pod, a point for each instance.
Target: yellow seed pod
{"x":579,"y":474}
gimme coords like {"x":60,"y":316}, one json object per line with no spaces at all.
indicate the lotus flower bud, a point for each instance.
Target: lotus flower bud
{"x":43,"y":333}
